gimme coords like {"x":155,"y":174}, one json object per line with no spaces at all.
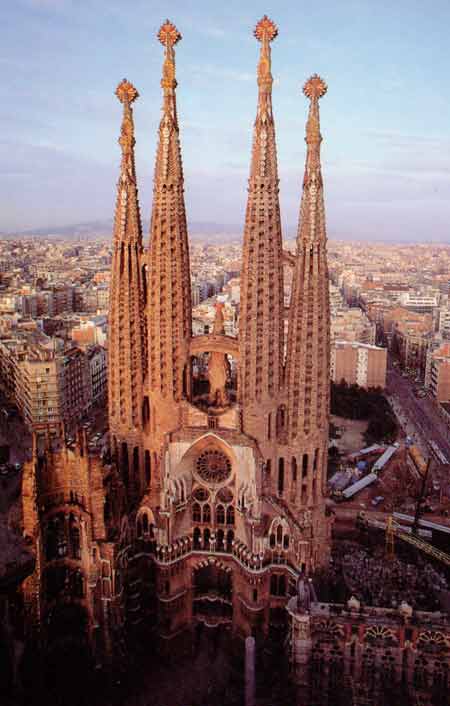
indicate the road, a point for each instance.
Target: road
{"x":418,"y":416}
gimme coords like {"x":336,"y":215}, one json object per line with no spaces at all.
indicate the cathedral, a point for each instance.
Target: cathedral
{"x":211,"y":504}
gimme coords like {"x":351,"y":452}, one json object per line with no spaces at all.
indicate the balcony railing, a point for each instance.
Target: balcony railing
{"x":166,"y":555}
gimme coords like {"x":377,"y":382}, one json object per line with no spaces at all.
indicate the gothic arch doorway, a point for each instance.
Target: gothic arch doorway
{"x":213,"y":594}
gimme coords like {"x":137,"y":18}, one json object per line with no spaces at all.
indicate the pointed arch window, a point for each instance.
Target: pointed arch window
{"x":220,"y":546}
{"x":197,"y":538}
{"x":220,"y":515}
{"x":230,"y":539}
{"x":145,"y":523}
{"x":196,"y":513}
{"x":279,"y":534}
{"x":206,"y":513}
{"x":206,"y":539}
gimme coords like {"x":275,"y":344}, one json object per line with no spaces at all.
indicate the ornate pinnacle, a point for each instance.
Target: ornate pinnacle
{"x":315,"y":87}
{"x":265,"y":29}
{"x":265,"y":32}
{"x":126,"y":92}
{"x":168,"y":35}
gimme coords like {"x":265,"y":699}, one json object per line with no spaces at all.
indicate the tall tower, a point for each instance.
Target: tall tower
{"x":261,"y":324}
{"x":64,"y":520}
{"x":169,"y":300}
{"x":127,"y":337}
{"x":308,"y":349}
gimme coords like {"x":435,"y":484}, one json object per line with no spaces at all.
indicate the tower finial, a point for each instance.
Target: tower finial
{"x":265,"y":32}
{"x":168,"y":35}
{"x":127,"y":94}
{"x":265,"y":28}
{"x":314,"y":88}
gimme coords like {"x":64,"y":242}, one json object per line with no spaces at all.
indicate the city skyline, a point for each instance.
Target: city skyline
{"x":386,"y":167}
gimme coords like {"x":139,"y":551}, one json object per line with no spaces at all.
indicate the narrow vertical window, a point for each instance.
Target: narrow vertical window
{"x":148,"y":468}
{"x":294,"y":469}
{"x":305,"y":465}
{"x":280,"y":476}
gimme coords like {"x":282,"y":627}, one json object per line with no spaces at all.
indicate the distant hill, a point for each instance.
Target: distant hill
{"x":93,"y":230}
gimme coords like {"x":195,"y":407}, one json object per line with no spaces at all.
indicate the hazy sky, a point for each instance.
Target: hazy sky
{"x":385,"y":118}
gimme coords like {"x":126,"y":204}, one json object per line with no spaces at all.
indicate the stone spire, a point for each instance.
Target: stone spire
{"x":262,"y":304}
{"x":127,"y":336}
{"x":308,"y":351}
{"x":169,"y":306}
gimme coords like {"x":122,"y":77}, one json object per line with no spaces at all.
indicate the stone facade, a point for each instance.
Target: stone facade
{"x":369,"y":654}
{"x":70,"y":597}
{"x":214,"y":502}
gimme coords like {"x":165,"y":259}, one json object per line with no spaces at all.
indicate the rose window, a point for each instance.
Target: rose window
{"x":213,"y":466}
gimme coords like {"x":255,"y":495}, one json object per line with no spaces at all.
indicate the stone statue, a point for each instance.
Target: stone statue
{"x":306,"y":594}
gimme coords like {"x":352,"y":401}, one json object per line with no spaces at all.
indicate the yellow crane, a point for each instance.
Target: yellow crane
{"x":390,"y":538}
{"x":392,"y":530}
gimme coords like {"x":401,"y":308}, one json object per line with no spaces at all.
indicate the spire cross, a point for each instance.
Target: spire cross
{"x":127,"y":94}
{"x":168,"y":35}
{"x":314,"y":88}
{"x":265,"y":32}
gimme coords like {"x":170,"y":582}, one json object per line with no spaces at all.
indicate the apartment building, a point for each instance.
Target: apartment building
{"x":358,"y":363}
{"x":439,"y":381}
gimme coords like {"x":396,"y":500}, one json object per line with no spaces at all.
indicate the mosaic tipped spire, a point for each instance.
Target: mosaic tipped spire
{"x":314,"y":89}
{"x":307,"y":365}
{"x":265,"y":32}
{"x":262,"y":303}
{"x":127,"y":356}
{"x":169,"y":312}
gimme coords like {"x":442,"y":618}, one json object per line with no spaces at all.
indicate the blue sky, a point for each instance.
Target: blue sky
{"x":385,"y":118}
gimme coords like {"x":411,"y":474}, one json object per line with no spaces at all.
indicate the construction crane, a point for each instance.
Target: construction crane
{"x":390,"y":538}
{"x":392,"y":530}
{"x":421,"y":498}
